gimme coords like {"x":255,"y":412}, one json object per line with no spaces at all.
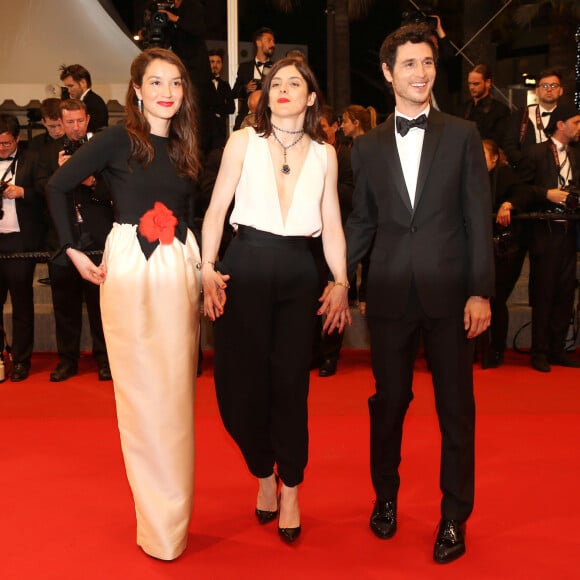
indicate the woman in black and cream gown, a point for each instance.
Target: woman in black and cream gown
{"x":149,"y":288}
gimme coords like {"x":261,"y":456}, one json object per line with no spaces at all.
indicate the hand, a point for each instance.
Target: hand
{"x":214,"y":291}
{"x":504,"y":214}
{"x":251,"y":86}
{"x":476,"y":316}
{"x":86,"y":267}
{"x":62,"y":158}
{"x":335,"y":305}
{"x":13,"y":191}
{"x":558,"y":196}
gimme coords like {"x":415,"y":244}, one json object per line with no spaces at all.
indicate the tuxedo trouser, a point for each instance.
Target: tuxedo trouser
{"x":16,"y":277}
{"x":552,"y":284}
{"x":68,"y":292}
{"x":394,"y":346}
{"x":263,"y":345}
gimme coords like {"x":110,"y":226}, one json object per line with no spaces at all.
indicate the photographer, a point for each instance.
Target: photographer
{"x":21,"y":230}
{"x":250,"y":73}
{"x":91,"y":218}
{"x":554,"y":169}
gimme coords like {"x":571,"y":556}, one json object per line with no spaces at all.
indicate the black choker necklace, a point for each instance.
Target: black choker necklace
{"x":285,"y":167}
{"x":300,"y":131}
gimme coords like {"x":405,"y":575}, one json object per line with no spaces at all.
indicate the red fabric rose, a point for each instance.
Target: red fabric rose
{"x":158,"y":224}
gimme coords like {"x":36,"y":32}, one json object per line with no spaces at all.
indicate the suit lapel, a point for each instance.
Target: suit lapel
{"x":430,"y":143}
{"x":396,"y":170}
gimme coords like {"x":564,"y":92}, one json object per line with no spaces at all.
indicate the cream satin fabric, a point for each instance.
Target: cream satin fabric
{"x":150,"y":312}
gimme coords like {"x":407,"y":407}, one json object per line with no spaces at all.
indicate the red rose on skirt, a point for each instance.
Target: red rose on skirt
{"x":158,"y":224}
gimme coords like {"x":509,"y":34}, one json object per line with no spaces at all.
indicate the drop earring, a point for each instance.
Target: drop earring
{"x":140,"y":105}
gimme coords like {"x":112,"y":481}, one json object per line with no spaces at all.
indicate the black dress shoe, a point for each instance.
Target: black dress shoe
{"x":540,"y":363}
{"x":62,"y":372}
{"x":383,"y":521}
{"x":20,"y":372}
{"x":563,"y":359}
{"x":327,"y":368}
{"x":104,"y":372}
{"x":494,"y":359}
{"x":265,"y":516}
{"x":289,"y":535}
{"x":450,"y":542}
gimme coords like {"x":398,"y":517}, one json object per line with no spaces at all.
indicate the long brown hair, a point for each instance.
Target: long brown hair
{"x":313,"y":113}
{"x":183,"y":142}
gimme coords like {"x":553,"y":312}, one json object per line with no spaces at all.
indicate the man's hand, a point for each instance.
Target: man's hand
{"x":476,"y":315}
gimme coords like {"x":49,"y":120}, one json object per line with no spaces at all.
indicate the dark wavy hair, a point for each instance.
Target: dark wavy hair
{"x":183,"y":143}
{"x":313,"y":113}
{"x":413,"y":33}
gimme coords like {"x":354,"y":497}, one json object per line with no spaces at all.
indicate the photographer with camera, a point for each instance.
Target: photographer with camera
{"x":250,"y":73}
{"x":21,"y":230}
{"x":554,"y":169}
{"x":91,"y":218}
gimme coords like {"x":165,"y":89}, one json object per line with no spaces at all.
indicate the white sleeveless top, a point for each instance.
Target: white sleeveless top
{"x":256,"y":199}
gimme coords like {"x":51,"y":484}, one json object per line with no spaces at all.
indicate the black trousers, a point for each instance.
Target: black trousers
{"x":263,"y":345}
{"x":16,"y":277}
{"x":68,"y":292}
{"x":394,"y":346}
{"x":552,"y":284}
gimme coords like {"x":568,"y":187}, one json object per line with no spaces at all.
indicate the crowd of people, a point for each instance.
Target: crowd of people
{"x":291,"y":204}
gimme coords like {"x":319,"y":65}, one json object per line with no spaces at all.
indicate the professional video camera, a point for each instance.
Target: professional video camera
{"x":156,"y":30}
{"x":423,"y":15}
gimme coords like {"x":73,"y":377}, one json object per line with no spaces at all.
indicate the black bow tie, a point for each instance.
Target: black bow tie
{"x":404,"y":125}
{"x":546,"y":113}
{"x":11,"y":158}
{"x":267,"y":64}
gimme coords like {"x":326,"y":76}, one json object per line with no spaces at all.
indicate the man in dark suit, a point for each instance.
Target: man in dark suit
{"x":554,"y":166}
{"x":22,"y":229}
{"x":91,"y":216}
{"x":527,"y":126}
{"x":422,"y":190}
{"x":221,"y":102}
{"x":77,"y":79}
{"x":250,"y":73}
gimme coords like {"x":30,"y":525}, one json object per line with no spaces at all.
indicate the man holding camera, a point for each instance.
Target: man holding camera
{"x":554,"y":171}
{"x":250,"y":73}
{"x":91,"y":217}
{"x":21,"y":230}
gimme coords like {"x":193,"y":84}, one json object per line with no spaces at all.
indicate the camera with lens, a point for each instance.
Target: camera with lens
{"x":71,"y":146}
{"x":156,"y":25}
{"x":573,"y":199}
{"x":420,"y":16}
{"x":3,"y":187}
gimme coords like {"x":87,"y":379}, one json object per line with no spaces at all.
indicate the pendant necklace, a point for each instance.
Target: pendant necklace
{"x":285,"y":167}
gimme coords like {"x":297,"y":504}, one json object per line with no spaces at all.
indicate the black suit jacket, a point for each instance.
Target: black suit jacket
{"x":31,"y":209}
{"x":444,"y":243}
{"x":95,"y":205}
{"x":245,"y":75}
{"x":98,"y":111}
{"x":221,"y":104}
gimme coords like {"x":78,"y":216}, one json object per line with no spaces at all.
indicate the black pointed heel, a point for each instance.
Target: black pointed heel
{"x":267,"y":516}
{"x":289,"y":535}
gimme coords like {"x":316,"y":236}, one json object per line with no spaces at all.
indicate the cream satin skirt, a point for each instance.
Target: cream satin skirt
{"x":150,"y":312}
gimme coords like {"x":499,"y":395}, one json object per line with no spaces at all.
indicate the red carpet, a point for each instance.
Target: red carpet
{"x":66,"y":511}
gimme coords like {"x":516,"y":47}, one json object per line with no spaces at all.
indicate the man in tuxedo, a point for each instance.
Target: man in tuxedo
{"x":527,"y":126}
{"x":77,"y":80}
{"x":554,"y":166}
{"x":22,"y":229}
{"x":91,"y":217}
{"x":250,"y":73}
{"x":221,"y":102}
{"x":422,"y":191}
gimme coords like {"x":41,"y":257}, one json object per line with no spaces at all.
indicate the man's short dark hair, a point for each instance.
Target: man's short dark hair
{"x":260,"y":32}
{"x":216,"y":52}
{"x":77,"y":72}
{"x":50,"y":109}
{"x":484,"y":70}
{"x":549,"y":72}
{"x":413,"y":33}
{"x":9,"y":124}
